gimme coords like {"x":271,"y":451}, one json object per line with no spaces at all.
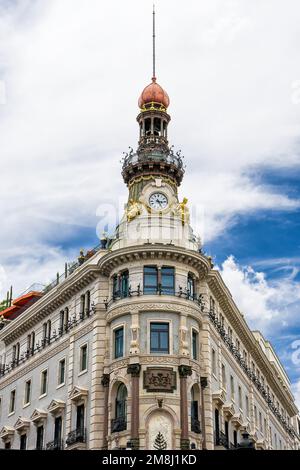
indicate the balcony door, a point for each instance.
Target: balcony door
{"x":58,"y":429}
{"x":80,"y":418}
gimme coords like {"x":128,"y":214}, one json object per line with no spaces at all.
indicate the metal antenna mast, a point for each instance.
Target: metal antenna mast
{"x":153,"y":37}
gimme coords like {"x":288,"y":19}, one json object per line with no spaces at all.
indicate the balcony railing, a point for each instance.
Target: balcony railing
{"x":78,"y":435}
{"x":249,"y":372}
{"x":118,"y":425}
{"x":195,"y":426}
{"x":221,"y":440}
{"x":57,"y":444}
{"x":40,"y":346}
{"x":181,"y":293}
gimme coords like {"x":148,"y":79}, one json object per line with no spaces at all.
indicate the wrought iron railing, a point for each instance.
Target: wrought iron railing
{"x":167,"y":156}
{"x":118,"y":424}
{"x":56,"y":335}
{"x":181,"y":293}
{"x":77,"y":435}
{"x":221,"y":439}
{"x":56,"y":444}
{"x":250,"y":373}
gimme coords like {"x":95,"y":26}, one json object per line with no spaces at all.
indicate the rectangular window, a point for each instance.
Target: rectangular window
{"x":260,"y":422}
{"x":212,"y":305}
{"x":240,"y":399}
{"x":27,"y":392}
{"x":223,"y":377}
{"x":12,"y":402}
{"x":150,"y":280}
{"x":44,"y":380}
{"x":57,"y":429}
{"x":23,"y":442}
{"x":159,"y":338}
{"x":213,"y":362}
{"x":238,"y":345}
{"x":119,"y":342}
{"x":190,"y":287}
{"x":39,"y":437}
{"x":80,"y":418}
{"x":61,"y":371}
{"x":124,"y":281}
{"x":255,"y":415}
{"x":83,"y":358}
{"x":167,"y":281}
{"x":195,"y":342}
{"x":232,"y":387}
{"x":247,"y":406}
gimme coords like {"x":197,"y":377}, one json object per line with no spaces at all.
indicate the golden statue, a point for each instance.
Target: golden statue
{"x":182,"y":210}
{"x":133,"y":210}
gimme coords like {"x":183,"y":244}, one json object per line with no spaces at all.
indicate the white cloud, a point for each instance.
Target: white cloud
{"x":72,"y":77}
{"x":268,"y":305}
{"x":296,"y":392}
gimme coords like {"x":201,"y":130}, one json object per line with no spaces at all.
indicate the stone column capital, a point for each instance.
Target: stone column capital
{"x":184,"y":371}
{"x":134,"y":370}
{"x":203,"y":382}
{"x":105,"y":380}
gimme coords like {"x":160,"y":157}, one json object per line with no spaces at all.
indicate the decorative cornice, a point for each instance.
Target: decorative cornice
{"x":151,"y":251}
{"x":50,"y":302}
{"x":219,"y":397}
{"x":105,"y":380}
{"x":78,"y":393}
{"x":7,"y":432}
{"x":223,"y":296}
{"x":22,"y":424}
{"x":38,"y":416}
{"x":56,"y":406}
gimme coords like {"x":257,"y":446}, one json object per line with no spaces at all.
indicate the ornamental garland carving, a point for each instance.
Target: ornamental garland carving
{"x":176,"y":307}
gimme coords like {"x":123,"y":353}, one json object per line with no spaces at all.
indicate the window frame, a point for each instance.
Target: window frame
{"x":42,"y":374}
{"x":82,"y":346}
{"x":160,"y":333}
{"x":116,"y":330}
{"x":154,"y":287}
{"x":12,"y":410}
{"x":27,"y":403}
{"x":61,"y":384}
{"x":195,"y":332}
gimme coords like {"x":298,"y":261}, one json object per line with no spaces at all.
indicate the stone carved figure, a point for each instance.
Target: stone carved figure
{"x":184,"y":346}
{"x":181,"y":210}
{"x":134,"y":344}
{"x":134,"y":209}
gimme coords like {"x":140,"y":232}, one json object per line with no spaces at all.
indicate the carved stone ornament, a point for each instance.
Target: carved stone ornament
{"x":184,"y":371}
{"x":105,"y":380}
{"x":203,"y":382}
{"x":160,"y":379}
{"x":134,"y":370}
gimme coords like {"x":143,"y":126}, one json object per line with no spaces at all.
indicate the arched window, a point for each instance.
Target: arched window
{"x":121,"y":400}
{"x":157,"y":126}
{"x":195,"y":423}
{"x":119,"y":423}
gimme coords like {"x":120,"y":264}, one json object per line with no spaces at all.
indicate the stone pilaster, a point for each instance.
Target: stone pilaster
{"x":70,"y":379}
{"x":97,"y":408}
{"x":105,"y":385}
{"x":134,"y":370}
{"x":207,"y":393}
{"x":184,"y":372}
{"x":203,"y":385}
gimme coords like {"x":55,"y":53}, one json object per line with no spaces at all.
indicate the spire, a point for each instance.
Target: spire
{"x":153,"y":39}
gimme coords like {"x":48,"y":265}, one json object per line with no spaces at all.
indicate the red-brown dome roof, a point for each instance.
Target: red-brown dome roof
{"x":154,"y":93}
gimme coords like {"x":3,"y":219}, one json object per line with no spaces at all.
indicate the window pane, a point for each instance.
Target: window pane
{"x":119,"y":342}
{"x":150,"y":279}
{"x":159,"y":337}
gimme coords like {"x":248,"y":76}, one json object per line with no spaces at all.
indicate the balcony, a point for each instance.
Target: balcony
{"x":76,"y":436}
{"x":181,"y":293}
{"x":221,"y":440}
{"x":118,"y":425}
{"x":195,"y":426}
{"x":57,"y":444}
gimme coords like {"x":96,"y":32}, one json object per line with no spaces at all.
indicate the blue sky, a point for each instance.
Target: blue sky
{"x":69,"y":85}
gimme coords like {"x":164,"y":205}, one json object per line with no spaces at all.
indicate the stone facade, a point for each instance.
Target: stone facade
{"x":147,"y":348}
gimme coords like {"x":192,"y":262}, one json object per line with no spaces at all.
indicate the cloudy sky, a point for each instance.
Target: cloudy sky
{"x":70,"y":76}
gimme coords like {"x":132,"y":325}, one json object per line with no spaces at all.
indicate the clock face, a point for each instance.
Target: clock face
{"x":158,"y":201}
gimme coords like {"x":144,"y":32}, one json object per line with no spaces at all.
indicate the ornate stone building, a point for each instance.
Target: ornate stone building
{"x":140,"y":344}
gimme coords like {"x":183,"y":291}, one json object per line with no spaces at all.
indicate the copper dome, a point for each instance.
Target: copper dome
{"x":154,"y":93}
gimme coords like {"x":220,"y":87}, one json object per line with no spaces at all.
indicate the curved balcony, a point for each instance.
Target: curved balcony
{"x":153,"y":154}
{"x":181,"y":294}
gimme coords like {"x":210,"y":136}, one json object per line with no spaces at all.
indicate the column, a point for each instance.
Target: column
{"x":105,"y":385}
{"x":184,"y":372}
{"x":134,"y":370}
{"x":203,"y":385}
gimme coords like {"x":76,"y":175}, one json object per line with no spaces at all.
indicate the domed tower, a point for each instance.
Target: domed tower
{"x":154,"y":306}
{"x":153,"y":173}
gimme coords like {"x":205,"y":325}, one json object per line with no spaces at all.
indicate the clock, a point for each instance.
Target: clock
{"x":158,"y":201}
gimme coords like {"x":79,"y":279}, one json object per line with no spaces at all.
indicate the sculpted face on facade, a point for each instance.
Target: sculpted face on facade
{"x":141,"y":345}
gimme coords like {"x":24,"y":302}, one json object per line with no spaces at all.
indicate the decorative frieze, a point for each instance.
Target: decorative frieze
{"x":160,"y":379}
